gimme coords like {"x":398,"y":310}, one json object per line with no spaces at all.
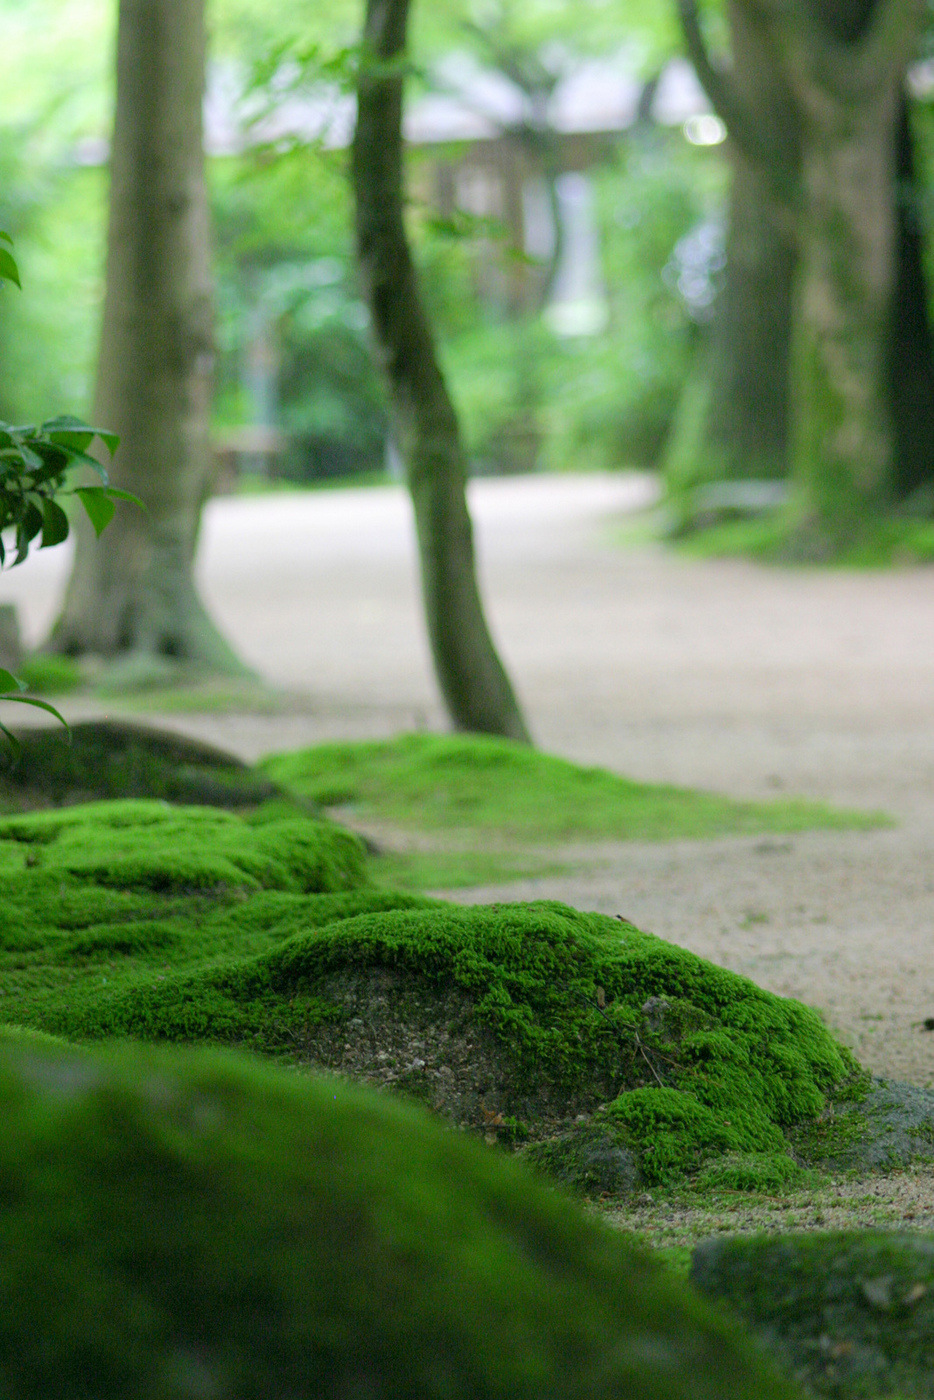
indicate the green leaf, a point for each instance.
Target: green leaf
{"x":110,"y":440}
{"x":97,"y":503}
{"x":39,"y":704}
{"x":77,"y":435}
{"x":116,"y":494}
{"x":88,"y":461}
{"x":10,"y":682}
{"x":9,"y":272}
{"x":54,"y":524}
{"x":6,"y":237}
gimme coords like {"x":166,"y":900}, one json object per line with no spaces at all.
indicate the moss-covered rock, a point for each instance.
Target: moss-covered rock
{"x":179,"y":1225}
{"x":115,"y":758}
{"x":852,"y":1314}
{"x":137,"y":919}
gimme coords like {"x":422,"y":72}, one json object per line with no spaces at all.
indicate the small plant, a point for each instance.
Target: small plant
{"x":35,"y":461}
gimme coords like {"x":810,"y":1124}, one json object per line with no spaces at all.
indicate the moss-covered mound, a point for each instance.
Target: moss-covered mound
{"x":181,"y":1225}
{"x":136,"y":919}
{"x":470,"y":781}
{"x":114,"y":759}
{"x":851,"y":1313}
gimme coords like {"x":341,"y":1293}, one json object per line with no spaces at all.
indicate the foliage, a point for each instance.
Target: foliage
{"x":35,"y":461}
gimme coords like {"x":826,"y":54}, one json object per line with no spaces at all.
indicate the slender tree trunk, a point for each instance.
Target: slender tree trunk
{"x":472,"y":679}
{"x":133,"y":594}
{"x":911,"y":344}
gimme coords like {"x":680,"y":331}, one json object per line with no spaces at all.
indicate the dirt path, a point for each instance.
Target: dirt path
{"x":710,"y":674}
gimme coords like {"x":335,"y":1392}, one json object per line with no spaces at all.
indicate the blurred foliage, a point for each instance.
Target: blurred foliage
{"x":285,"y":276}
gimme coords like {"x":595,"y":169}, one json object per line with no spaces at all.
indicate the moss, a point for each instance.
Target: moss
{"x":117,"y":759}
{"x":51,"y":675}
{"x":101,"y":902}
{"x":851,"y":1313}
{"x":188,"y":924}
{"x":598,"y":1157}
{"x":195,"y":1224}
{"x":446,"y":782}
{"x":750,"y":1171}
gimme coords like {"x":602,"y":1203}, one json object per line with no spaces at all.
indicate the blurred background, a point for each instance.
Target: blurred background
{"x":568,"y":209}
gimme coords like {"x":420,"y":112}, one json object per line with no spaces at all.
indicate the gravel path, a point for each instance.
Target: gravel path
{"x":714,"y":674}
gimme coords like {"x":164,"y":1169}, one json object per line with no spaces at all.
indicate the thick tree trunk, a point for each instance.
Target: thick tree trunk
{"x":741,"y":431}
{"x":747,"y":423}
{"x":133,"y":594}
{"x":817,"y":114}
{"x":845,"y":65}
{"x":844,"y":450}
{"x":476,"y":689}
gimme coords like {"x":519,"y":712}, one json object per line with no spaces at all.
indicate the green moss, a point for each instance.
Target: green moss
{"x":492,"y":786}
{"x":851,"y":1313}
{"x":160,"y":923}
{"x":140,"y":844}
{"x":198,"y":1225}
{"x":117,"y":759}
{"x":50,"y":675}
{"x":778,"y":538}
{"x":750,"y":1171}
{"x":452,"y":869}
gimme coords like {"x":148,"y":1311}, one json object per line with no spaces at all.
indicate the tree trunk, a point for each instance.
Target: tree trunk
{"x":825,"y":80}
{"x":843,"y":454}
{"x":747,"y":423}
{"x":476,"y":689}
{"x":133,"y":594}
{"x":911,"y":345}
{"x":846,"y":66}
{"x":740,"y":429}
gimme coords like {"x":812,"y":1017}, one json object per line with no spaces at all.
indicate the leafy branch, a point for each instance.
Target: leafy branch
{"x":35,"y":461}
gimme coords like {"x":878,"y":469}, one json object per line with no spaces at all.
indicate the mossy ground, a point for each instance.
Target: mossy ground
{"x":771,"y":539}
{"x":501,"y":809}
{"x":197,"y":1224}
{"x":850,"y":1313}
{"x":52,"y":767}
{"x":143,"y":920}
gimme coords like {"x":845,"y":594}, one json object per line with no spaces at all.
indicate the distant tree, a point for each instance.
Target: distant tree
{"x":473,"y":681}
{"x":815,"y":105}
{"x":136,"y":597}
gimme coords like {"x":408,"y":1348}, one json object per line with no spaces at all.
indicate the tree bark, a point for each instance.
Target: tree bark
{"x":817,"y":114}
{"x":847,"y":84}
{"x":134,"y":594}
{"x":747,"y":421}
{"x":739,"y":427}
{"x":911,"y":344}
{"x":473,"y":681}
